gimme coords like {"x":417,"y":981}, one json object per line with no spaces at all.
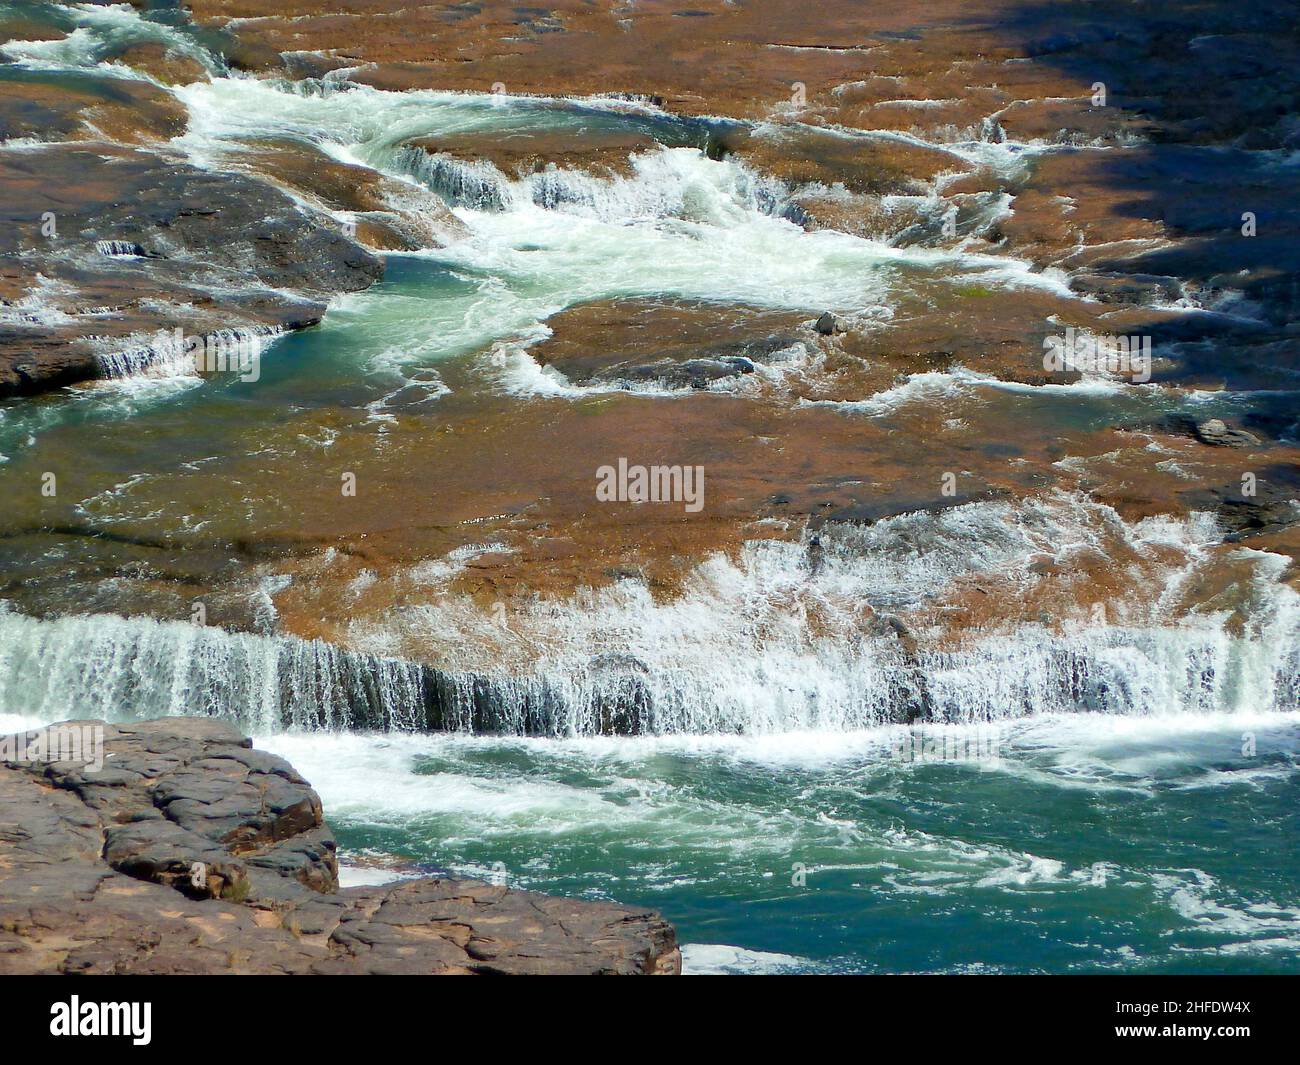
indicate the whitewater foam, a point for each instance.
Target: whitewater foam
{"x":678,"y":224}
{"x":721,"y":959}
{"x":96,"y":31}
{"x":809,"y":645}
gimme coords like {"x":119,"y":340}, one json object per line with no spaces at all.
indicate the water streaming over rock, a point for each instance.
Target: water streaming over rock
{"x":172,"y":353}
{"x":587,"y":237}
{"x":109,"y":666}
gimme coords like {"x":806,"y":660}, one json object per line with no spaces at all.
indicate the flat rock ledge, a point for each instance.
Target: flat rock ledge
{"x":189,"y":852}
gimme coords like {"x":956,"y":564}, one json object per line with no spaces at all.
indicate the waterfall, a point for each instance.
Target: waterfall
{"x":120,"y":249}
{"x":123,"y":668}
{"x":174,"y":353}
{"x":478,"y":185}
{"x":104,"y":666}
{"x":664,"y":183}
{"x":788,"y":635}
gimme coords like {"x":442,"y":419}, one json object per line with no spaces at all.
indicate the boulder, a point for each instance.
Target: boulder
{"x":829,"y":324}
{"x":183,"y":850}
{"x":1216,"y":433}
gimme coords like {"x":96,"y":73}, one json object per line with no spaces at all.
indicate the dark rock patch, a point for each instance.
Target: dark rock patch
{"x":1273,"y":508}
{"x":221,"y":249}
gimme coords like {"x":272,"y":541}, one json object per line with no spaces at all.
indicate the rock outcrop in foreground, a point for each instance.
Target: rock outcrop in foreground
{"x":190,"y":852}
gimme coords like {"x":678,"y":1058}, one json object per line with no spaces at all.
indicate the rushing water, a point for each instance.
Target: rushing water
{"x":1063,"y":844}
{"x":1120,"y":795}
{"x":1067,"y":844}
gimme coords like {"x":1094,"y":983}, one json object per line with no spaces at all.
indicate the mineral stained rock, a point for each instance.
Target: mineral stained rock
{"x":189,"y":852}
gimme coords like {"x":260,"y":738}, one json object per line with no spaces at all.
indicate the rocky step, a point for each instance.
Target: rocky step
{"x":171,"y":846}
{"x":107,"y":247}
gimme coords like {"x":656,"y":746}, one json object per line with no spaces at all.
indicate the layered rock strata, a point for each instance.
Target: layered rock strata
{"x":184,"y":850}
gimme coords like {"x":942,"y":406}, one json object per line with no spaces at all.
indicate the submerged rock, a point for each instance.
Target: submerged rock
{"x":157,"y":60}
{"x":185,"y":851}
{"x":45,"y":106}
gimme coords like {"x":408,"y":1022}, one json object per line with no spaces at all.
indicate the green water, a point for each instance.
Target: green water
{"x":1090,"y":844}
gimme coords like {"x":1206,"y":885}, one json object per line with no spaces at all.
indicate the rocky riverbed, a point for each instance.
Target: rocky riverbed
{"x":851,"y":267}
{"x":1029,"y":169}
{"x":178,"y":848}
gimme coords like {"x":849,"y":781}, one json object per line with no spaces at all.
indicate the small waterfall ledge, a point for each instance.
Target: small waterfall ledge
{"x":105,"y":666}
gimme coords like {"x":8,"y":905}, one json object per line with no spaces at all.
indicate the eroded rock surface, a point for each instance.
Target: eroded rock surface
{"x":969,"y":127}
{"x":190,"y":852}
{"x":666,"y":343}
{"x":105,"y":246}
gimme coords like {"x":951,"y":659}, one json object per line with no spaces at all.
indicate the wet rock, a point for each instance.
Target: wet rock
{"x":1130,"y":216}
{"x":1217,"y":434}
{"x":864,"y":163}
{"x":603,"y":152}
{"x":220,"y":252}
{"x":44,"y":106}
{"x":189,"y":852}
{"x":872,"y":217}
{"x":829,"y":324}
{"x":900,"y":503}
{"x":992,"y":331}
{"x":1126,"y":288}
{"x":156,"y":60}
{"x":670,"y":344}
{"x":252,"y":56}
{"x":388,"y":214}
{"x":1272,"y":507}
{"x":1248,"y":517}
{"x":725,"y":62}
{"x":1214,"y":431}
{"x":19,"y":26}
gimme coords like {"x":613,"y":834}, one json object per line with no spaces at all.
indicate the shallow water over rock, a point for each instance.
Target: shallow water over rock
{"x":836,"y":302}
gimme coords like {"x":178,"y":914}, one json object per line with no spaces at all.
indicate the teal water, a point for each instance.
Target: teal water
{"x":1087,"y":845}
